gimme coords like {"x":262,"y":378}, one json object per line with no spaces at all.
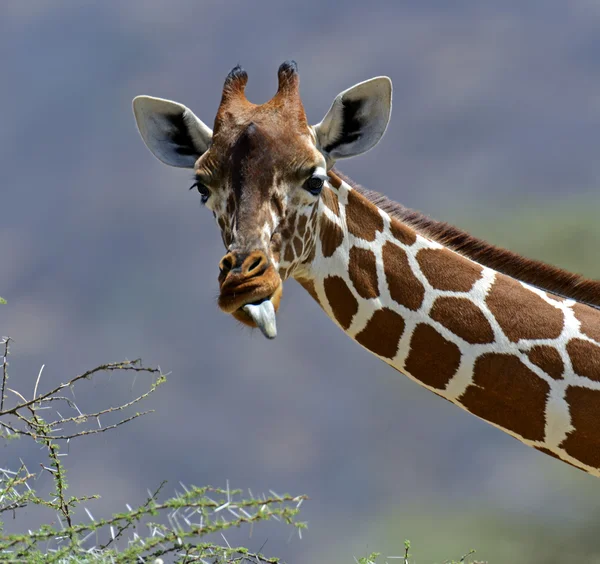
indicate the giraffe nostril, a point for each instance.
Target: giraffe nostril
{"x":226,"y":265}
{"x":254,"y":265}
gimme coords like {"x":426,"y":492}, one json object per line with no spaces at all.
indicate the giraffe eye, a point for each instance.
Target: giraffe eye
{"x":203,"y":190}
{"x":314,"y":185}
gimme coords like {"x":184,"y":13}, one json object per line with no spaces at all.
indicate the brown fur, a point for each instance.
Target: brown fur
{"x":507,"y":393}
{"x":534,"y":272}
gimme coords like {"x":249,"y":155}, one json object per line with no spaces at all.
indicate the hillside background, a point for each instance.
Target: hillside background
{"x":104,"y":254}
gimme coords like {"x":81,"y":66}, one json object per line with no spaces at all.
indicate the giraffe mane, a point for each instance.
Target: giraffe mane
{"x":534,"y":272}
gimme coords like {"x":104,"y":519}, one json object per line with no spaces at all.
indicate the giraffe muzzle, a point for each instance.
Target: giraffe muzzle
{"x":250,"y":290}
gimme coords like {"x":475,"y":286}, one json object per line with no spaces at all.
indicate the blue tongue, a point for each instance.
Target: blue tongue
{"x":263,"y":314}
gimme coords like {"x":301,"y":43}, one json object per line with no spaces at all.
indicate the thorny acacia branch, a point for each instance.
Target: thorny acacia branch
{"x":5,"y":341}
{"x":177,"y":526}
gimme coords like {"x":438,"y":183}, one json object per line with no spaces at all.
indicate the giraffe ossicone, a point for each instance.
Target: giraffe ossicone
{"x":514,"y":341}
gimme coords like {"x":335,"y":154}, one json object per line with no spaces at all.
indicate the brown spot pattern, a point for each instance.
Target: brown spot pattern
{"x":290,"y":226}
{"x":521,"y":313}
{"x":509,"y":394}
{"x":343,"y":303}
{"x":402,"y":232}
{"x":288,"y":254}
{"x":548,"y":359}
{"x":363,"y":218}
{"x":432,"y":359}
{"x":589,"y":319}
{"x":404,"y":287}
{"x":298,"y":245}
{"x":582,"y":443}
{"x":446,"y":270}
{"x":330,"y":199}
{"x":382,"y":333}
{"x":331,"y":236}
{"x":230,"y":207}
{"x":309,"y":250}
{"x":585,"y":357}
{"x":463,"y":318}
{"x":301,"y":226}
{"x":362,"y":270}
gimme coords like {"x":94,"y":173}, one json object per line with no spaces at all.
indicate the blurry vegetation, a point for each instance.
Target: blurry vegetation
{"x":565,"y":233}
{"x":406,"y":558}
{"x":499,"y":537}
{"x":187,"y":527}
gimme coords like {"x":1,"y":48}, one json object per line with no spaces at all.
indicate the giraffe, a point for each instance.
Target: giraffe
{"x":514,"y":341}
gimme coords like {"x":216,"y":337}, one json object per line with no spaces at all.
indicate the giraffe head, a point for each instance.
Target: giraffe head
{"x":262,"y":171}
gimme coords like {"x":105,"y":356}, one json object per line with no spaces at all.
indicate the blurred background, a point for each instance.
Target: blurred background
{"x":105,"y":255}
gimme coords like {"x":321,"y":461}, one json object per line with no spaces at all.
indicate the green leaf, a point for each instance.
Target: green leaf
{"x":2,"y":301}
{"x":369,"y":559}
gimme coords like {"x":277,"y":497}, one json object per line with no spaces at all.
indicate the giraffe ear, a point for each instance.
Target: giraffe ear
{"x":356,"y":120}
{"x":171,"y":131}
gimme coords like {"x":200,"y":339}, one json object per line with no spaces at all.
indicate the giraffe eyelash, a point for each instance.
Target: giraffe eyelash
{"x":203,"y":191}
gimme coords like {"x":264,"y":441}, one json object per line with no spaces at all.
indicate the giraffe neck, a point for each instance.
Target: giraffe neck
{"x":521,"y":358}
